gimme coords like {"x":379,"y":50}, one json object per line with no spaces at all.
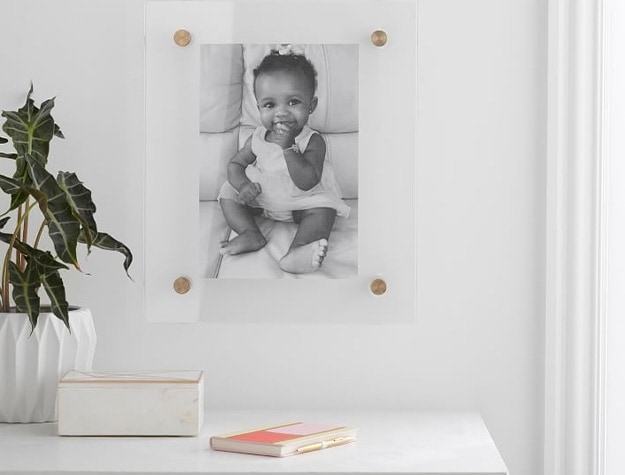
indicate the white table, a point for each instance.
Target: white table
{"x":388,"y":442}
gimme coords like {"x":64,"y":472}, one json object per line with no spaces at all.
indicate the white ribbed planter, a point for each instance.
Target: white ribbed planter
{"x":31,"y":365}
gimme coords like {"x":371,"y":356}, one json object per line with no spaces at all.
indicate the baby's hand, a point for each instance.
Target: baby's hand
{"x":248,"y":193}
{"x":283,"y":135}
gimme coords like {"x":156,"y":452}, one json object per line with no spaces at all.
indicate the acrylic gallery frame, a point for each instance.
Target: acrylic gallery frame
{"x":386,"y":155}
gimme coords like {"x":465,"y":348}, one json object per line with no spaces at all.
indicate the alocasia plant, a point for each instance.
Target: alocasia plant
{"x":67,"y":212}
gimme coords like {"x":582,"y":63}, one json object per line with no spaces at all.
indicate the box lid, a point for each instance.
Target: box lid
{"x":133,"y":377}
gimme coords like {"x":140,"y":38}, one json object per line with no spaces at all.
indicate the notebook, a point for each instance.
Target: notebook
{"x":284,"y":439}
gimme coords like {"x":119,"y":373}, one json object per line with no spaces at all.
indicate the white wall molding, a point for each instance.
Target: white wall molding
{"x":615,"y":151}
{"x":576,"y":241}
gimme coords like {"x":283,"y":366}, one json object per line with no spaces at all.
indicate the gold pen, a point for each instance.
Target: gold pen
{"x":325,"y":444}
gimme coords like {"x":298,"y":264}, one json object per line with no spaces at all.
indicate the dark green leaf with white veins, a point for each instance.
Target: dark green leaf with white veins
{"x":21,"y":176}
{"x":63,"y":227}
{"x":53,"y":285}
{"x":32,"y":128}
{"x":79,"y":200}
{"x":18,"y":191}
{"x":9,"y":185}
{"x":43,"y":259}
{"x":25,"y":290}
{"x":109,"y":243}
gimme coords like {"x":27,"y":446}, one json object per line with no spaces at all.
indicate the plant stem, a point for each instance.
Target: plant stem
{"x":7,"y":258}
{"x":18,"y":254}
{"x":5,"y":292}
{"x":25,"y":231}
{"x":43,"y":225}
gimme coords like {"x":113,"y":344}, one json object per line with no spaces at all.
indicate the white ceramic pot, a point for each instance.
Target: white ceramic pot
{"x":31,"y":365}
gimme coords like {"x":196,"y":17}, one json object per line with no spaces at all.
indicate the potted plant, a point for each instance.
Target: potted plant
{"x":60,"y":211}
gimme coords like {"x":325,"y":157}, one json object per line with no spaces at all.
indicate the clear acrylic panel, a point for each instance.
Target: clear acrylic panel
{"x":200,"y":107}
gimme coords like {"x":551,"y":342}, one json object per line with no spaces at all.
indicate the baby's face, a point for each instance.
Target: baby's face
{"x":284,"y":98}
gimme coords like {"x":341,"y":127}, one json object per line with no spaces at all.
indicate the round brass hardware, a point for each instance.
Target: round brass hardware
{"x":182,"y":38}
{"x":378,"y":287}
{"x":379,"y":38}
{"x":182,"y":285}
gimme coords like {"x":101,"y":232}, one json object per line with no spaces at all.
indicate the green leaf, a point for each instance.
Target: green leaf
{"x":21,"y":176}
{"x":63,"y":227}
{"x":41,"y":269}
{"x":57,"y":132}
{"x":44,"y":259}
{"x":9,"y":185}
{"x":107,"y":242}
{"x":18,"y":191}
{"x":53,"y":285}
{"x":3,"y":221}
{"x":31,"y":128}
{"x":79,"y":200}
{"x":25,"y":290}
{"x":3,"y":140}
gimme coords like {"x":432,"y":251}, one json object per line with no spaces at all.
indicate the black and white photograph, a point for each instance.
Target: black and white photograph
{"x":278,"y":164}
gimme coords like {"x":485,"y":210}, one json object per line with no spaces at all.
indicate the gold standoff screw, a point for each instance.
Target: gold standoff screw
{"x":379,"y":38}
{"x":182,"y":38}
{"x":378,"y":287}
{"x":182,"y":285}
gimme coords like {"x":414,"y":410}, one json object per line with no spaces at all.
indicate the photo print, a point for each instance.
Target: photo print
{"x":278,"y":165}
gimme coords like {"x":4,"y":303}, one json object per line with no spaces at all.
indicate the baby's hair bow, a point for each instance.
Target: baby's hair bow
{"x":289,"y":49}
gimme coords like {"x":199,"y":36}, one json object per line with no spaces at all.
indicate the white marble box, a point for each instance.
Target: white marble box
{"x":125,"y":403}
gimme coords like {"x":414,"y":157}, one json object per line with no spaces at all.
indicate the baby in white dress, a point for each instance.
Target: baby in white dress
{"x":282,"y":171}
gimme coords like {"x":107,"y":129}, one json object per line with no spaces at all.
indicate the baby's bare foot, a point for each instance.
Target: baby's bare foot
{"x":305,"y":259}
{"x":247,"y":241}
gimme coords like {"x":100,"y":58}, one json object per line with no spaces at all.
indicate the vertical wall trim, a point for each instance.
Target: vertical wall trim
{"x":603,"y":130}
{"x":575,"y":241}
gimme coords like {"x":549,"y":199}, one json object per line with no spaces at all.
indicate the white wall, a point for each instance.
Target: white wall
{"x":478,"y":341}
